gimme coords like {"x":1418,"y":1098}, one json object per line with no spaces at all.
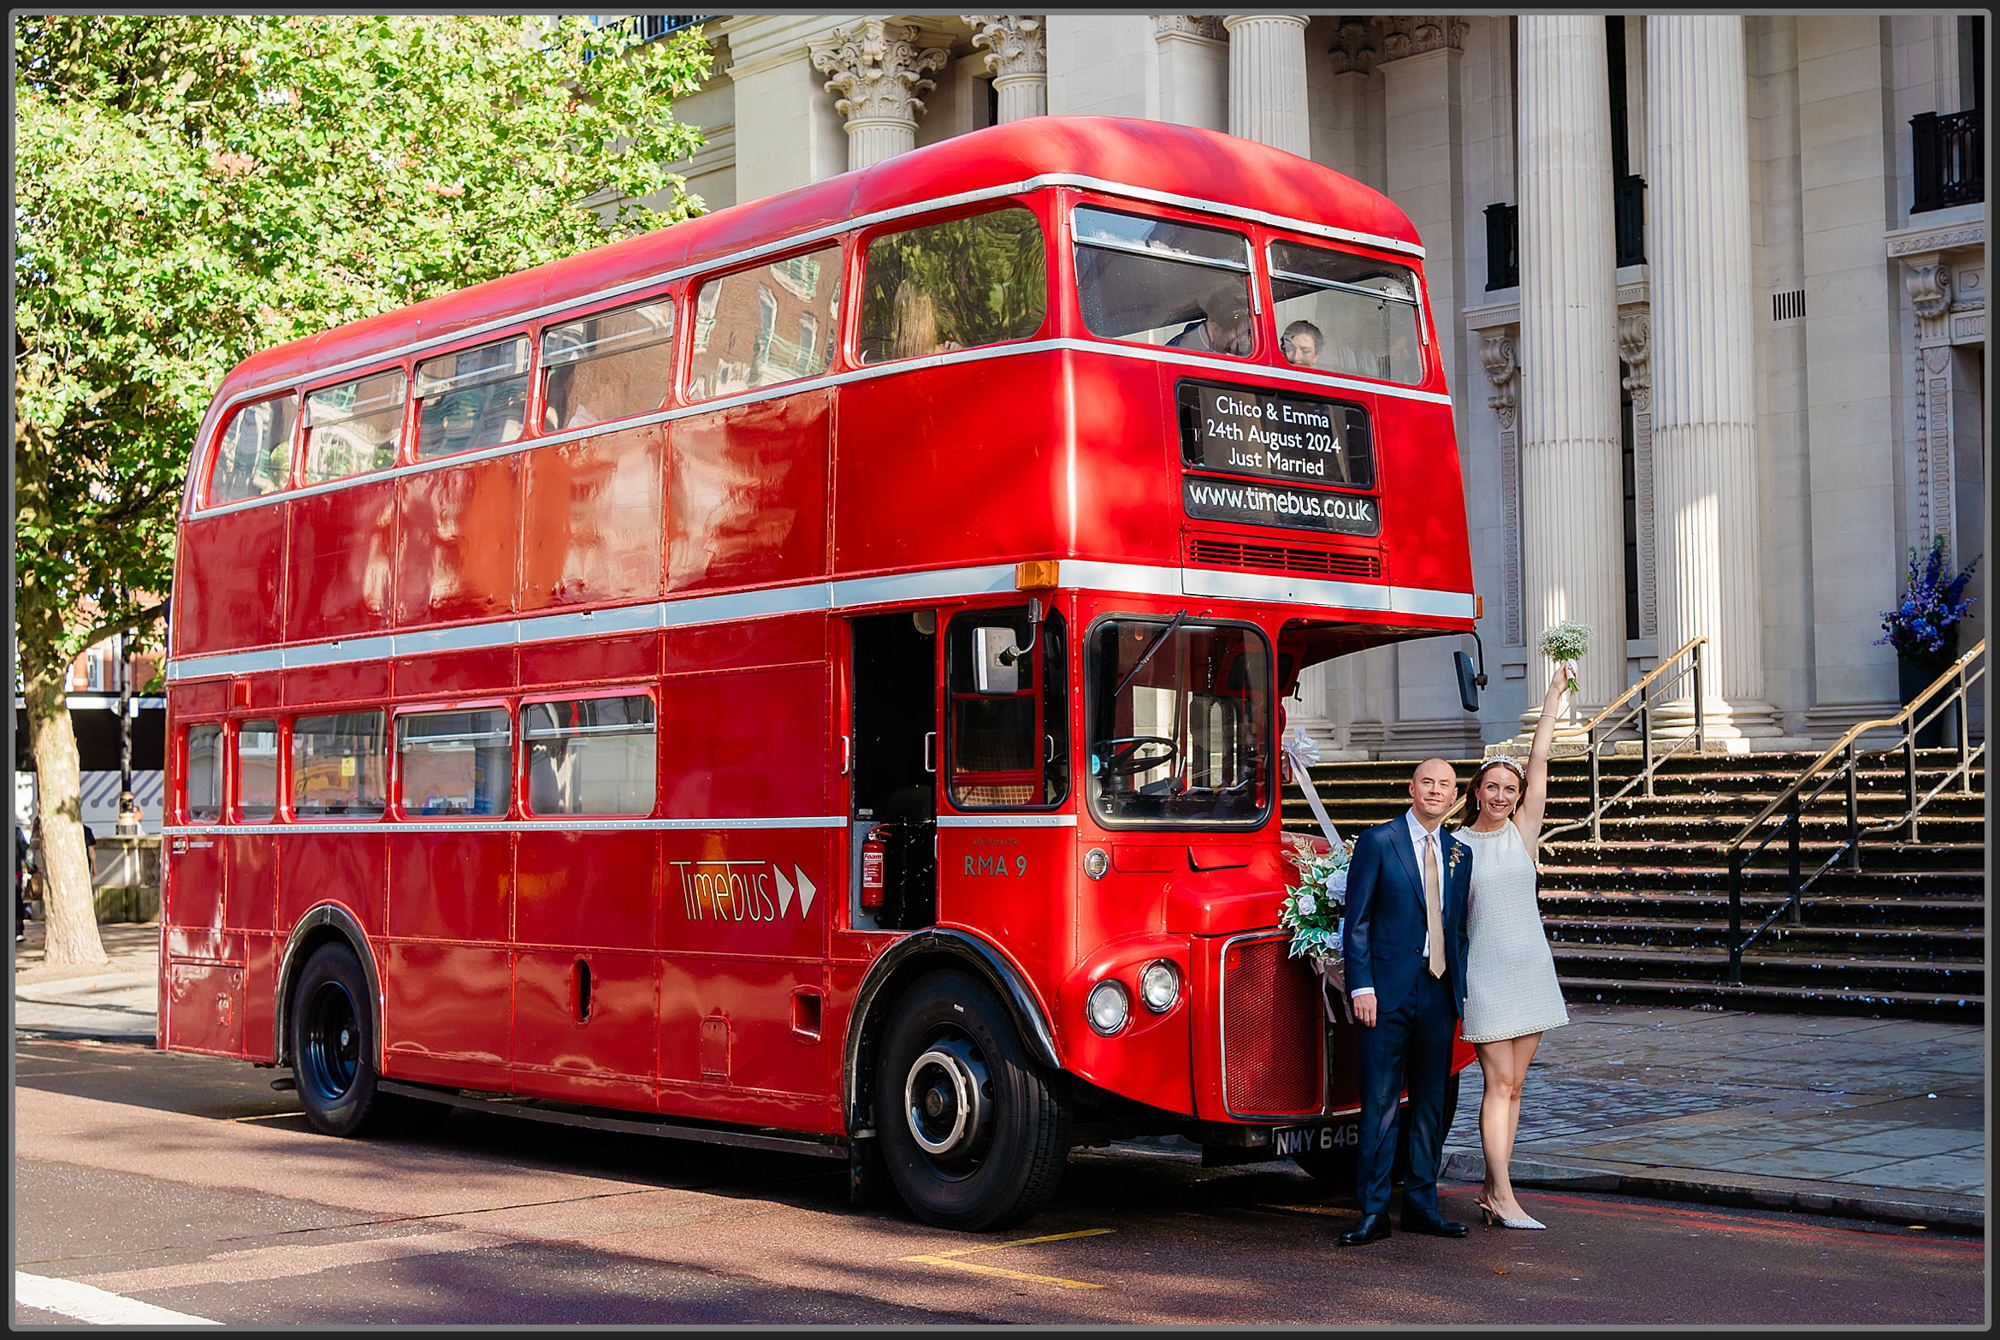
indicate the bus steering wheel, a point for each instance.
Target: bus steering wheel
{"x":1122,"y":756}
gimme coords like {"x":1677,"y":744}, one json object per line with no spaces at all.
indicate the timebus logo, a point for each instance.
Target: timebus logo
{"x":742,"y":890}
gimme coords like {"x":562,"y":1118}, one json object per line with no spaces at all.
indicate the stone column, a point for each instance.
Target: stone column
{"x":1267,"y":80}
{"x":1017,"y":56}
{"x":878,"y":70}
{"x":1703,"y":365}
{"x":1572,"y":531}
{"x":1193,"y":54}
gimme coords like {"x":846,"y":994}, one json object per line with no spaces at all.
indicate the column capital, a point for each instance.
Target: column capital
{"x":1351,"y":52}
{"x":1016,"y":44}
{"x":1208,"y":27}
{"x":1929,"y":287}
{"x":1414,"y":34}
{"x":878,"y":70}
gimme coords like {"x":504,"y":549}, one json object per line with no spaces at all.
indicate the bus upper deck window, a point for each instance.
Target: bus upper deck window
{"x":1346,"y":314}
{"x":1164,"y":283}
{"x":257,"y":770}
{"x":338,"y":765}
{"x":455,"y":763}
{"x":758,"y":327}
{"x":953,"y":285}
{"x":354,"y":427}
{"x":204,"y":773}
{"x":590,"y":755}
{"x":608,"y":366}
{"x":473,"y":398}
{"x":254,"y":455}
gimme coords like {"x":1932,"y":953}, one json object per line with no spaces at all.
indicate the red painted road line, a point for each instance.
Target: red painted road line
{"x":1764,"y":1228}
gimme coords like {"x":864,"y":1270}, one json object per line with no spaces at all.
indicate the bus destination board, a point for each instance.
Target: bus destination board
{"x":1286,"y":439}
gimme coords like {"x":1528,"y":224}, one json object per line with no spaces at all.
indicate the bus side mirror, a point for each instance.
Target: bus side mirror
{"x":995,"y":664}
{"x":1469,"y":683}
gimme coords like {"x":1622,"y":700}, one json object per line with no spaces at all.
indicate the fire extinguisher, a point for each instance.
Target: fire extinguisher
{"x":874,"y":865}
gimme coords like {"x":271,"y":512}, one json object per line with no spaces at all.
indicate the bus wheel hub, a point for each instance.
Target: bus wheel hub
{"x":944,"y":1098}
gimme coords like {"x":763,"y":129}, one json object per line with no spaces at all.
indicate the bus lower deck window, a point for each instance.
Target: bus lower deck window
{"x":1164,"y":283}
{"x":204,"y":773}
{"x":591,"y":755}
{"x":1180,"y":723}
{"x":953,"y":285}
{"x":611,"y":365}
{"x":455,"y":763}
{"x":257,"y":770}
{"x":338,"y":765}
{"x":473,"y":398}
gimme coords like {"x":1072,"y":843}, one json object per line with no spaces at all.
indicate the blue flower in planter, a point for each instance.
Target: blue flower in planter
{"x":1931,"y":606}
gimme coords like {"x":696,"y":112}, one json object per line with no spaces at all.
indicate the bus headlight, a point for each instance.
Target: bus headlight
{"x":1160,"y":986}
{"x":1096,"y":862}
{"x":1107,"y":1006}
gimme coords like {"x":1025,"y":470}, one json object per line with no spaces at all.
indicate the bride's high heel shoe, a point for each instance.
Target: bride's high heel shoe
{"x":1492,"y":1217}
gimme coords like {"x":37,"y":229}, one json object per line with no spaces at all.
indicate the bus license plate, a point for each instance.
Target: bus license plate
{"x":1289,"y":1140}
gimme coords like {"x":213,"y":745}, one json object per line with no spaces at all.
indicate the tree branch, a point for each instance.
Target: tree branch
{"x":130,"y":623}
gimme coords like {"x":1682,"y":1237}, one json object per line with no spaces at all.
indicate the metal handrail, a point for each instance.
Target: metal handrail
{"x":1794,"y":800}
{"x":1646,"y":693}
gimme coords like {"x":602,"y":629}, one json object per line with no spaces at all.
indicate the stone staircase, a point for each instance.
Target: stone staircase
{"x":1642,"y":917}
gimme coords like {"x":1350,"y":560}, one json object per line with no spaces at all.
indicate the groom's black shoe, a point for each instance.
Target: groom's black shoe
{"x":1417,"y":1221}
{"x":1372,"y":1228}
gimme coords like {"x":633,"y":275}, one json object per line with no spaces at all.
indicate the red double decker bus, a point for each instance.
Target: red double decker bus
{"x":809,"y":677}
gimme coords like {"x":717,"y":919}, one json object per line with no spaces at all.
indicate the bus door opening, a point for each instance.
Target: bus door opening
{"x":893,"y":810}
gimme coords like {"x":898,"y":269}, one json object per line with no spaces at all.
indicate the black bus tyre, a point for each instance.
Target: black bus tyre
{"x":333,"y":1049}
{"x":975,"y":1134}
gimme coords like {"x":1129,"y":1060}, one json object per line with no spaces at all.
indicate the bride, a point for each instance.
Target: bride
{"x":1512,"y":996}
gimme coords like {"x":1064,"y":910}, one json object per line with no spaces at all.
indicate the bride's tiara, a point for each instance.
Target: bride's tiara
{"x":1506,"y":762}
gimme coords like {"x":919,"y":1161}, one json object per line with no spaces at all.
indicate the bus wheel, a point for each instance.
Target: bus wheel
{"x":333,"y":1045}
{"x":975,"y":1135}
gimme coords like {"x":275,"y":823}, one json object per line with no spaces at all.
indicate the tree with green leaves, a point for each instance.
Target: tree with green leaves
{"x":190,"y":189}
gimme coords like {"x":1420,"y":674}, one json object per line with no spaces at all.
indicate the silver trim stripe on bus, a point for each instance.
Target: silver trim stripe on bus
{"x":1321,"y":382}
{"x":549,"y":825}
{"x":936,"y":584}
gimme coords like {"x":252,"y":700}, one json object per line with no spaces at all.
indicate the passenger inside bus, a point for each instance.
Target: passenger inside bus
{"x":916,"y":330}
{"x":1225,"y":324}
{"x":1301,"y":342}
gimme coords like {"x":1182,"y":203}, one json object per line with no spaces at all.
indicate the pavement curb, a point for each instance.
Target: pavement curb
{"x":1701,"y":1186}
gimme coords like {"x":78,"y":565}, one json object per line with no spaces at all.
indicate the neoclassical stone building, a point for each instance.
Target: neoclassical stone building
{"x":1717,"y":285}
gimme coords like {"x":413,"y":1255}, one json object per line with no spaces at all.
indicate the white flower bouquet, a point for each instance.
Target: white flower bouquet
{"x":1314,"y":912}
{"x":1567,"y":641}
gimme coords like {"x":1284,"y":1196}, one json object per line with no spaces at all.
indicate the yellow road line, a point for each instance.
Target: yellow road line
{"x":951,"y":1259}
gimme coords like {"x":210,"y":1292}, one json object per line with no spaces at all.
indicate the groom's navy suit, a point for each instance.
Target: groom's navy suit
{"x":1416,"y":1014}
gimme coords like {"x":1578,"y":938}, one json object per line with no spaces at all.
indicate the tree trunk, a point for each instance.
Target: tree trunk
{"x":70,"y":909}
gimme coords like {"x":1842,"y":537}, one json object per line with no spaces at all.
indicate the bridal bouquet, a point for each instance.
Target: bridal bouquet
{"x":1567,"y":641}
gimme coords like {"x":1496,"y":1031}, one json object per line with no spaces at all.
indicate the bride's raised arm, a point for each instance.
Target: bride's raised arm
{"x":1536,"y":793}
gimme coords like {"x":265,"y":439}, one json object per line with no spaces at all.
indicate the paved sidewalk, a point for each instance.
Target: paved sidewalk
{"x":1873,"y":1118}
{"x":1869,"y":1118}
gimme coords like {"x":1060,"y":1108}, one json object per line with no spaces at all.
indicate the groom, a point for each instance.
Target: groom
{"x":1404,"y":949}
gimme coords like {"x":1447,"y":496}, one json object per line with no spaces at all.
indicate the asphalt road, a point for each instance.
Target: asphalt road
{"x":184,"y":1183}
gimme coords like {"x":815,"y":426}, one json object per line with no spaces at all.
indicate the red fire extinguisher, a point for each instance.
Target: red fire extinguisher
{"x":874,"y":862}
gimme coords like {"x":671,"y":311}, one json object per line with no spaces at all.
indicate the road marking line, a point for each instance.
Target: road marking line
{"x":269,"y":1263}
{"x":951,"y":1259}
{"x":83,"y":1302}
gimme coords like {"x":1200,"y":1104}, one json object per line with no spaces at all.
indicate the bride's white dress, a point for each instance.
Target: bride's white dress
{"x":1510,"y":975}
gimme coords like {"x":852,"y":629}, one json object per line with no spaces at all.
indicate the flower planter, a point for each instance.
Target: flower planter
{"x":1912,"y":678}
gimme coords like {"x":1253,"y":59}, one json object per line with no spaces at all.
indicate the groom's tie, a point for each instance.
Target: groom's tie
{"x":1434,"y":905}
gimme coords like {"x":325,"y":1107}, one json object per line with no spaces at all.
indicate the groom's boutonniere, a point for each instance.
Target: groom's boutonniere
{"x":1451,"y":862}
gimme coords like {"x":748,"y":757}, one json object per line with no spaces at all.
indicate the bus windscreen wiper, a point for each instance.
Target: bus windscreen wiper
{"x":1152,"y":647}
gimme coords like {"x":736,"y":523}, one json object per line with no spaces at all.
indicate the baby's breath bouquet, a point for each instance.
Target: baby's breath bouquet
{"x":1567,"y":641}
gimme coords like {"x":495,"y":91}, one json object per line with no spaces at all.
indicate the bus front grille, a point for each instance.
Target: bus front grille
{"x":1273,"y":1039}
{"x":1283,"y":558}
